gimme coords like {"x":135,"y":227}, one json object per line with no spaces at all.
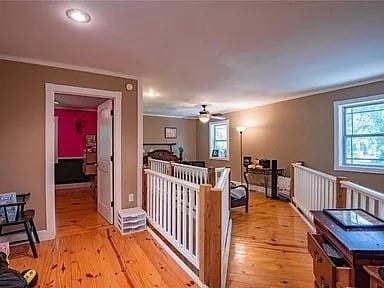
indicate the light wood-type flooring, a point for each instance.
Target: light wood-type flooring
{"x":88,"y":252}
{"x":269,"y":246}
{"x":269,"y":249}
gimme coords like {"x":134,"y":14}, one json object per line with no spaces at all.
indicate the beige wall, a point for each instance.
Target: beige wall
{"x":299,"y":129}
{"x":153,"y":132}
{"x":22,"y":122}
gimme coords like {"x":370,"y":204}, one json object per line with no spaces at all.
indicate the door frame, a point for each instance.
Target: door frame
{"x":50,"y":90}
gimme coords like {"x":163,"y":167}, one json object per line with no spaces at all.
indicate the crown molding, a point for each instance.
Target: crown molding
{"x":169,"y":116}
{"x":67,"y":66}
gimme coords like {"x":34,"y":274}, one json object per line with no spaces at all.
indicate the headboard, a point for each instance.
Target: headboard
{"x":160,"y":154}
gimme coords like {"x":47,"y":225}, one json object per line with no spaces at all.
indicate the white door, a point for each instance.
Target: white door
{"x":104,"y":160}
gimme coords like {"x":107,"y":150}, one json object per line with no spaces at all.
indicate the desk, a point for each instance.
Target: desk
{"x":266,"y":172}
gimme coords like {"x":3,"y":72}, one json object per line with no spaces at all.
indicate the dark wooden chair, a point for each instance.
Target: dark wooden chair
{"x":29,"y":214}
{"x":244,"y":201}
{"x":13,"y":215}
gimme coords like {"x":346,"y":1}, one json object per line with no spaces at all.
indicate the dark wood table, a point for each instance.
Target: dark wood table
{"x":267,"y":173}
{"x":358,"y":247}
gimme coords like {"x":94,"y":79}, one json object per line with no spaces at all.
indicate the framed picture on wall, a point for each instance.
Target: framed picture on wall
{"x":170,"y":133}
{"x":90,"y":140}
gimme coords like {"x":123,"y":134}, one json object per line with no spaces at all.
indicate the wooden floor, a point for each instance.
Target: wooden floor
{"x":88,"y":252}
{"x":269,"y":249}
{"x":269,"y":246}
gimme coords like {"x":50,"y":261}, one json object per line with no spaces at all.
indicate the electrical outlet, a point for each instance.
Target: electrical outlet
{"x":130,"y":197}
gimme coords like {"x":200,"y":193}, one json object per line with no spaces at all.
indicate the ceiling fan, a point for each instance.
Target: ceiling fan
{"x":204,"y":115}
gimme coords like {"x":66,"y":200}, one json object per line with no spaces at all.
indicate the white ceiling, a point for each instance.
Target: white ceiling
{"x":75,"y":101}
{"x":231,"y":55}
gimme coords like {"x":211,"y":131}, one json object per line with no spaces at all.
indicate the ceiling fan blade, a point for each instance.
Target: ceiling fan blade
{"x":218,"y":116}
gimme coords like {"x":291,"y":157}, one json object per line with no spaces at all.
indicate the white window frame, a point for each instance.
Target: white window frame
{"x":211,"y":140}
{"x":339,"y":134}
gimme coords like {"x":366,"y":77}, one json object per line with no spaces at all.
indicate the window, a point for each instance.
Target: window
{"x":218,"y":140}
{"x":359,"y":134}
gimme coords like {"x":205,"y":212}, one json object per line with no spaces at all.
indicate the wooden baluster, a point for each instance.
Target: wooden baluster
{"x":341,"y":193}
{"x":210,"y":236}
{"x":190,"y":219}
{"x":292,"y":184}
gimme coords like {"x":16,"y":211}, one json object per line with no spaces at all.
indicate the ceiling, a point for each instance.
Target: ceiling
{"x":231,"y":55}
{"x":79,"y":102}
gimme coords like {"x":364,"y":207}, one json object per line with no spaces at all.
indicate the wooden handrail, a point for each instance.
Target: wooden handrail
{"x":223,"y":178}
{"x":174,"y":179}
{"x":325,"y":175}
{"x":364,"y":190}
{"x":189,"y":166}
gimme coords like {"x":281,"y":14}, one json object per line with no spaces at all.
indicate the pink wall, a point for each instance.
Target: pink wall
{"x":70,"y":142}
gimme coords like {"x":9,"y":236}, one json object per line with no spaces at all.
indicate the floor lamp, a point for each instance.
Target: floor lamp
{"x":241,"y":129}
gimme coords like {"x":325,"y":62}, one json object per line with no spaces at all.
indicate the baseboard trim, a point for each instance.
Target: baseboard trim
{"x":73,"y":185}
{"x":224,"y":271}
{"x":44,"y":235}
{"x":306,"y":221}
{"x":181,"y":264}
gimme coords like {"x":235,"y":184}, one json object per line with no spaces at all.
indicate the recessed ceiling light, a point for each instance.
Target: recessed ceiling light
{"x":57,"y":102}
{"x":151,"y":93}
{"x":78,"y":15}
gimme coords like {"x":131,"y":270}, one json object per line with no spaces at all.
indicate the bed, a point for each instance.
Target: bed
{"x":160,"y":154}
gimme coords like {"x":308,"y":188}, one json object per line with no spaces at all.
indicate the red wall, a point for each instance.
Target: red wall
{"x":70,"y":142}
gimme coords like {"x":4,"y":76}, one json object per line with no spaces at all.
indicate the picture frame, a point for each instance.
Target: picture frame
{"x":215,"y":153}
{"x":354,"y":218}
{"x":90,"y":140}
{"x":170,"y":132}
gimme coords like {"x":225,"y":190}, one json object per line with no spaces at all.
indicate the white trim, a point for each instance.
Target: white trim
{"x":69,"y":158}
{"x":73,"y":185}
{"x":140,"y":147}
{"x":170,"y":116}
{"x":306,"y":221}
{"x":50,"y":90}
{"x":177,"y":259}
{"x":211,"y":124}
{"x":224,"y":270}
{"x":66,"y":66}
{"x":74,"y":108}
{"x":338,"y":135}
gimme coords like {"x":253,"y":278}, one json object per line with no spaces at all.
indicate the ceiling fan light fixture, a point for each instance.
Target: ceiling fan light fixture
{"x":204,"y":118}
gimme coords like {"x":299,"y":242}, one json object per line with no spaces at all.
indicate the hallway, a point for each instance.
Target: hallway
{"x":269,"y":246}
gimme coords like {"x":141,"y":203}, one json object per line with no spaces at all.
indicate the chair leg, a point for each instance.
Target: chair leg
{"x":34,"y":231}
{"x":30,"y":239}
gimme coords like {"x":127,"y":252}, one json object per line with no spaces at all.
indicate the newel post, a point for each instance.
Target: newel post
{"x":210,"y":236}
{"x":170,"y":168}
{"x":211,"y":179}
{"x":341,"y":193}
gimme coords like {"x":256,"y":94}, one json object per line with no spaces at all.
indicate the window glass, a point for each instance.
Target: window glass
{"x":363,"y":137}
{"x":218,"y":134}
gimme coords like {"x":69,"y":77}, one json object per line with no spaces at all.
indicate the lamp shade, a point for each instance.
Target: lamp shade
{"x":241,"y":129}
{"x":204,"y":118}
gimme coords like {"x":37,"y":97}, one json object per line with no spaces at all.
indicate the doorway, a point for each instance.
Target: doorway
{"x":107,"y":146}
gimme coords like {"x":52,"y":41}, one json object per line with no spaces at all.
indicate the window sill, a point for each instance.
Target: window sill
{"x":219,"y":159}
{"x":359,"y":169}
